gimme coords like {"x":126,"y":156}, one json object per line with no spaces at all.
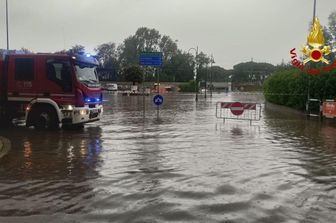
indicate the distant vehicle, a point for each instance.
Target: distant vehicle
{"x":111,"y":87}
{"x":49,"y":89}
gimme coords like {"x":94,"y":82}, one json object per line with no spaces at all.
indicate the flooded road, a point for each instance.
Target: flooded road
{"x":187,"y":166}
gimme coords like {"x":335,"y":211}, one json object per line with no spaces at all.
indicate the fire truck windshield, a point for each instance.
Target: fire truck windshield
{"x":87,"y":75}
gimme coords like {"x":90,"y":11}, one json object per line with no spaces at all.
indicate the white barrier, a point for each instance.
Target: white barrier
{"x":238,"y":111}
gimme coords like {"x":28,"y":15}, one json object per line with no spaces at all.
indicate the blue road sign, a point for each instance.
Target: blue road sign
{"x":158,"y":100}
{"x":151,"y":59}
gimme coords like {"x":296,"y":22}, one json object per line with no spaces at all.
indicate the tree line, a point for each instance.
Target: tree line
{"x":178,"y":65}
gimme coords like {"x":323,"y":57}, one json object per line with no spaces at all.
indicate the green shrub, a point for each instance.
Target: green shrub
{"x":290,"y":87}
{"x":187,"y":87}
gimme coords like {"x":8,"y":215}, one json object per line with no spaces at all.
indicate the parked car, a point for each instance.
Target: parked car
{"x":111,"y":87}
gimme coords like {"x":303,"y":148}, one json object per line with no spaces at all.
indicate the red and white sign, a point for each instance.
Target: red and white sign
{"x":329,"y":109}
{"x":238,"y":111}
{"x":238,"y":108}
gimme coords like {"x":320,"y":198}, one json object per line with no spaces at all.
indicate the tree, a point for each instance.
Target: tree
{"x":202,"y":59}
{"x":252,"y":72}
{"x":219,"y":74}
{"x":168,"y":47}
{"x":179,"y":68}
{"x":202,"y":66}
{"x":128,"y":52}
{"x":332,"y":25}
{"x":25,"y":50}
{"x":62,"y":52}
{"x":107,"y":55}
{"x":77,"y":48}
{"x":147,"y":40}
{"x":133,"y":74}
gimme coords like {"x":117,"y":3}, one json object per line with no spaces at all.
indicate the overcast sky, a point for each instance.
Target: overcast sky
{"x":232,"y":30}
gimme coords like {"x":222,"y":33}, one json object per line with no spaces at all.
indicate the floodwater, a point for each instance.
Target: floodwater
{"x":186,"y":166}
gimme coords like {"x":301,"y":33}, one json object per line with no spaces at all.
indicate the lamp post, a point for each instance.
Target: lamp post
{"x":195,"y":72}
{"x":211,"y":61}
{"x":308,"y":90}
{"x":314,"y":12}
{"x":7,"y":24}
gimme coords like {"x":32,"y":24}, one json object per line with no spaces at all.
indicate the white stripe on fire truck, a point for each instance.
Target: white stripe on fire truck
{"x":19,"y":99}
{"x":39,"y":94}
{"x":63,"y":95}
{"x":25,"y":94}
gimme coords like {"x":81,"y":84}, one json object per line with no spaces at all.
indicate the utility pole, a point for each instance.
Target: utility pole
{"x":314,"y":13}
{"x":308,"y":90}
{"x":211,"y":61}
{"x":195,"y":73}
{"x":7,"y":24}
{"x":206,"y":81}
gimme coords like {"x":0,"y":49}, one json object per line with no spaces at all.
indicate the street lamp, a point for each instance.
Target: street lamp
{"x":314,"y":13}
{"x":195,"y":72}
{"x":308,"y":90}
{"x":7,"y":24}
{"x":211,"y":61}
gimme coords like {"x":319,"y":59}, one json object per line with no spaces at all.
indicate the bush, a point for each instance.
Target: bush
{"x":290,"y":87}
{"x":187,"y":87}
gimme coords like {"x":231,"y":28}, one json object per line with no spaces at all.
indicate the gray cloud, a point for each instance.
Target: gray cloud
{"x":232,"y":30}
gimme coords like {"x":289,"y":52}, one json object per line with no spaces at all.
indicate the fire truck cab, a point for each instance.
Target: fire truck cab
{"x":50,"y":90}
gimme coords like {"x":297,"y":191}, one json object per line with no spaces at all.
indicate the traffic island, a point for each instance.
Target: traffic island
{"x":4,"y":146}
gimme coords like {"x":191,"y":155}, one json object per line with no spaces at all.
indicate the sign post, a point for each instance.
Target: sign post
{"x":152,"y":59}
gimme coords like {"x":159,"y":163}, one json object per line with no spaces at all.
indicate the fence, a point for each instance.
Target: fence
{"x":238,"y":111}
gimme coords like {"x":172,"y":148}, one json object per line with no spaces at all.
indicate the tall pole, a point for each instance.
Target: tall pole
{"x":7,"y":24}
{"x":314,"y":13}
{"x":211,"y":61}
{"x":195,"y":72}
{"x":196,"y":78}
{"x":143,"y":94}
{"x":206,"y":80}
{"x":308,"y":90}
{"x":158,"y":91}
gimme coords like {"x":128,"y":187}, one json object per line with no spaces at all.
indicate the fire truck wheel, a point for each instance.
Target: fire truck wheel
{"x":44,"y":118}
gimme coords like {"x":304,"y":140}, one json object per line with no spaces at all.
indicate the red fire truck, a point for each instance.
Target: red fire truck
{"x":49,"y":90}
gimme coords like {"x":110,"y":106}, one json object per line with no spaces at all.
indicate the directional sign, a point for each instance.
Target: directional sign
{"x":158,"y":100}
{"x":151,"y":59}
{"x":237,"y":108}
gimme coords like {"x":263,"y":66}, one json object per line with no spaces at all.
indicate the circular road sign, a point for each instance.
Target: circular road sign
{"x":158,"y":100}
{"x":237,"y":108}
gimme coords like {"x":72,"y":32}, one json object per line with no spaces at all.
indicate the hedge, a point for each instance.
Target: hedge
{"x":290,"y":87}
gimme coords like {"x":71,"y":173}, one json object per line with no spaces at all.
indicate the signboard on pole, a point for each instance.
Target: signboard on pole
{"x":329,"y":109}
{"x":153,"y":59}
{"x":158,"y":100}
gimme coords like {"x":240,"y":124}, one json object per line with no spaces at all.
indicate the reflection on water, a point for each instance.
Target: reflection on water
{"x":49,"y":172}
{"x":186,"y":166}
{"x":5,"y":146}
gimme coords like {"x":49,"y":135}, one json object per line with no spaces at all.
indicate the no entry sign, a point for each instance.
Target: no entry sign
{"x":237,"y":108}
